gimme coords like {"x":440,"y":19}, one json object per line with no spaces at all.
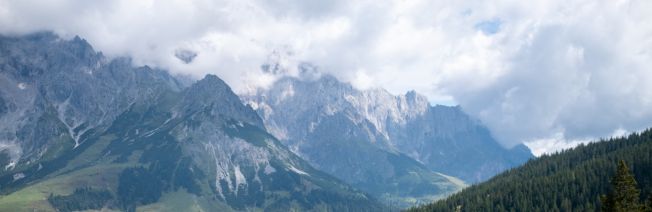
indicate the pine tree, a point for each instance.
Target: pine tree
{"x":625,"y":194}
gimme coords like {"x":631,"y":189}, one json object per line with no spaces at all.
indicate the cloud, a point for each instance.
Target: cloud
{"x":532,"y":71}
{"x":558,"y":142}
{"x":579,"y":72}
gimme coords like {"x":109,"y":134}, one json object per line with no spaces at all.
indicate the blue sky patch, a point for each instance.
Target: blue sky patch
{"x":489,"y":27}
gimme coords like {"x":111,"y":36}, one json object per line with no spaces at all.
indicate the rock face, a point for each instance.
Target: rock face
{"x":72,"y":119}
{"x":316,"y":117}
{"x":52,"y":87}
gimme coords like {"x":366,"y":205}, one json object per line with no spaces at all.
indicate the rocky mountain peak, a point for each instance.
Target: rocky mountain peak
{"x":209,"y":84}
{"x":214,"y":94}
{"x":441,"y":137}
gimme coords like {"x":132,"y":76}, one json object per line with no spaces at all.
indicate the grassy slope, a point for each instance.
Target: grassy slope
{"x":35,"y":196}
{"x":89,"y":169}
{"x":184,"y":201}
{"x":76,"y":174}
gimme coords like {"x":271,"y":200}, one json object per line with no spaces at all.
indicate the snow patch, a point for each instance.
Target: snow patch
{"x":312,"y":126}
{"x":269,"y":169}
{"x":19,"y":176}
{"x":22,"y":86}
{"x":298,"y":171}
{"x":14,"y":152}
{"x":287,"y":93}
{"x":61,"y":112}
{"x":240,"y":179}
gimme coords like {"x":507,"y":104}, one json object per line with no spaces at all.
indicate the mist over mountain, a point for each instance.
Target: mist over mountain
{"x":442,"y":138}
{"x":80,"y":131}
{"x":533,"y":72}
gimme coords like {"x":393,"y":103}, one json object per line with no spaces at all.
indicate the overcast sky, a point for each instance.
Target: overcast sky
{"x":551,"y":73}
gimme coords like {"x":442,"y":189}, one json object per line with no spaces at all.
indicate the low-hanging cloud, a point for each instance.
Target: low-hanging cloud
{"x":532,"y":71}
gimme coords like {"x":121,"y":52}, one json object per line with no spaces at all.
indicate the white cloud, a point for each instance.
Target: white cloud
{"x":530,"y":70}
{"x":553,"y":144}
{"x":557,"y":142}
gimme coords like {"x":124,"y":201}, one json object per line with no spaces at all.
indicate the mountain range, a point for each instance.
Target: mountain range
{"x":81,"y":131}
{"x":78,"y":126}
{"x":397,"y":147}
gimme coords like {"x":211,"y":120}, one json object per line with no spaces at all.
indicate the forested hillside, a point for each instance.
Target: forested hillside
{"x":571,"y":180}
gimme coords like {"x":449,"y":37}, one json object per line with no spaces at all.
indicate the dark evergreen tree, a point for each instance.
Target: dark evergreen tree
{"x":625,"y":194}
{"x":81,"y":199}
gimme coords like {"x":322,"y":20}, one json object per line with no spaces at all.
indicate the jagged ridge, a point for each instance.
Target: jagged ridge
{"x":81,"y":121}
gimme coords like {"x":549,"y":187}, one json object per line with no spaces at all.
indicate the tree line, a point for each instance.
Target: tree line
{"x":585,"y":178}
